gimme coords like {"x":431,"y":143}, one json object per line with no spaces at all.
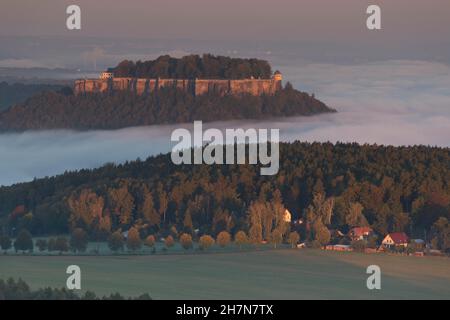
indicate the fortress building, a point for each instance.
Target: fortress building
{"x":108,"y":83}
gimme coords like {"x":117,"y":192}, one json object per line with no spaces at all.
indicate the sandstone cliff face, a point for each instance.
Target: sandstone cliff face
{"x":254,"y":87}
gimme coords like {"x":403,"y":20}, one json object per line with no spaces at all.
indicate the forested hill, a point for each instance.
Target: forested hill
{"x":63,"y":110}
{"x":11,"y":94}
{"x":194,"y":66}
{"x":329,"y":186}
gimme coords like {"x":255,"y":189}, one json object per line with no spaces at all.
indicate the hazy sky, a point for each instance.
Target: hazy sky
{"x":322,"y":20}
{"x":33,"y":33}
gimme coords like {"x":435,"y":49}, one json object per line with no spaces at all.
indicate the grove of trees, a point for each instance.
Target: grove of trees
{"x":19,"y":290}
{"x":206,"y":66}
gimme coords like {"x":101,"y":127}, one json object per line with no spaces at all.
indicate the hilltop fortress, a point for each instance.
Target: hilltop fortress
{"x":108,"y":83}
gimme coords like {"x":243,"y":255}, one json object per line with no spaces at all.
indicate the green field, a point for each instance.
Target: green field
{"x":269,"y":274}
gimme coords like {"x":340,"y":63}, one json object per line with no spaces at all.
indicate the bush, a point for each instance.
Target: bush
{"x":240,"y":239}
{"x":206,"y":241}
{"x":359,"y":245}
{"x":186,"y":241}
{"x":223,"y":239}
{"x":169,"y":242}
{"x":150,"y":241}
{"x":24,"y":241}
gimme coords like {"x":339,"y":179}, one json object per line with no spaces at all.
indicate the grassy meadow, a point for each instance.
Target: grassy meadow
{"x":264,"y":274}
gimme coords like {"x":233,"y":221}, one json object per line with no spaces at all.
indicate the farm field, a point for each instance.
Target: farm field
{"x":268,"y":274}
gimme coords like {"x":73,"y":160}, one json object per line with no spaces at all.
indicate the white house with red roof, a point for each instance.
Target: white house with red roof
{"x":396,"y":239}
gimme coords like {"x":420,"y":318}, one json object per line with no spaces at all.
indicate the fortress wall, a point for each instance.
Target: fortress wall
{"x":121,"y":84}
{"x":221,"y":87}
{"x":254,"y":87}
{"x":82,"y":86}
{"x":152,"y":85}
{"x":141,"y":86}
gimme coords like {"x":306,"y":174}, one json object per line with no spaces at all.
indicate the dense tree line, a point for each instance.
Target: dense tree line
{"x":133,"y":241}
{"x":20,"y":290}
{"x":11,"y":94}
{"x":194,"y":66}
{"x":51,"y":110}
{"x":326,"y":186}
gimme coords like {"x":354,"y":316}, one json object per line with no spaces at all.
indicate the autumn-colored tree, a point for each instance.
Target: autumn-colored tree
{"x":355,"y":217}
{"x":134,"y":241}
{"x":116,"y":241}
{"x":79,"y":240}
{"x":163,"y":203}
{"x":294,"y":238}
{"x":169,"y":242}
{"x":150,"y":241}
{"x":85,"y":206}
{"x":174,"y":232}
{"x":121,"y":203}
{"x":255,"y":215}
{"x":441,"y":233}
{"x":104,"y":228}
{"x":186,"y":241}
{"x":321,"y":234}
{"x":223,"y":239}
{"x":24,"y":241}
{"x":276,"y":238}
{"x":240,"y":239}
{"x":188,"y":225}
{"x":148,"y":210}
{"x":205,"y":242}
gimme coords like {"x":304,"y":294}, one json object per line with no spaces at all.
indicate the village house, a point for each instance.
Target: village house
{"x":418,"y":244}
{"x":360,"y":233}
{"x":396,"y":239}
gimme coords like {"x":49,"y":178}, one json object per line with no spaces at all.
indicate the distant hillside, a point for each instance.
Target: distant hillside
{"x":11,"y":94}
{"x":194,"y":66}
{"x":391,"y":189}
{"x":51,"y":110}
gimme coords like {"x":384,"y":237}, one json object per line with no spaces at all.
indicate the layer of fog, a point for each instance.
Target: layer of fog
{"x":393,"y":102}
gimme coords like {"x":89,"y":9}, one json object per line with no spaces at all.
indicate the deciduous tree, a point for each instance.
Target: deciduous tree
{"x":150,"y":241}
{"x":5,"y":243}
{"x":205,"y":242}
{"x":134,"y":241}
{"x":116,"y":241}
{"x":223,"y":239}
{"x":240,"y":239}
{"x":79,"y":240}
{"x":186,"y":241}
{"x":169,"y":241}
{"x":294,"y":238}
{"x":24,"y":241}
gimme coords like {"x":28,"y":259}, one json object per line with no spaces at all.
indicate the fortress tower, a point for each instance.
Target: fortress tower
{"x":106,"y":75}
{"x":278,"y":78}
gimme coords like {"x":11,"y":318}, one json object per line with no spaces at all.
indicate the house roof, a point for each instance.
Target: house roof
{"x":399,"y":237}
{"x":360,"y":231}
